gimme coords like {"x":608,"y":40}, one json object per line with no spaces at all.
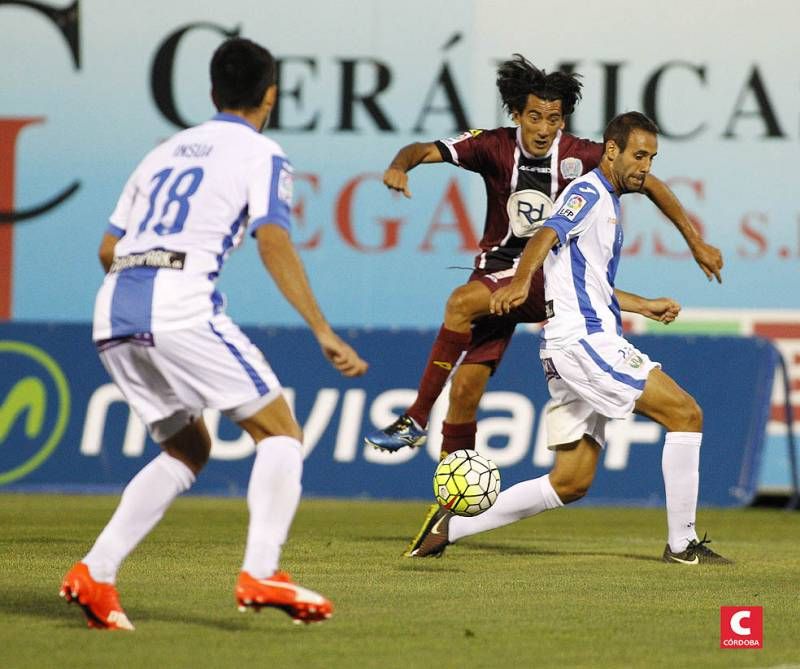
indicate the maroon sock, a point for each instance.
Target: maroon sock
{"x":445,"y":352}
{"x":456,"y":436}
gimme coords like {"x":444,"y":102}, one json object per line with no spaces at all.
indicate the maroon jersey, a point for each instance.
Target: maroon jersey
{"x":520,"y":189}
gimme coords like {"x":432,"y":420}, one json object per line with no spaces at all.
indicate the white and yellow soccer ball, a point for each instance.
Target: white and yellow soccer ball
{"x":466,"y":483}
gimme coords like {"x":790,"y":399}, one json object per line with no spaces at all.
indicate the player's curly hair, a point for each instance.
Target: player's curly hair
{"x":241,"y":72}
{"x":518,"y":78}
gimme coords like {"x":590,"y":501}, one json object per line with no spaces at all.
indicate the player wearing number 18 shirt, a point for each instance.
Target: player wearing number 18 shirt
{"x":185,"y":208}
{"x":163,"y":335}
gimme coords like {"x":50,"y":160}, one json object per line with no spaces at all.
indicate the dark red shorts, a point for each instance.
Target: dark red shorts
{"x":491,"y":334}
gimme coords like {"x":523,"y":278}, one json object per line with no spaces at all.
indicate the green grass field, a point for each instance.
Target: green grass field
{"x":579,"y":587}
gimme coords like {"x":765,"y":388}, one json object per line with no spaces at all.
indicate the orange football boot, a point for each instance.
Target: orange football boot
{"x":278,"y":591}
{"x":99,"y":601}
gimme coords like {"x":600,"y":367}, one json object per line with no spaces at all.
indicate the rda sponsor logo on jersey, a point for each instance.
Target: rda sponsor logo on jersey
{"x":34,"y":408}
{"x":741,"y":627}
{"x":527,"y":210}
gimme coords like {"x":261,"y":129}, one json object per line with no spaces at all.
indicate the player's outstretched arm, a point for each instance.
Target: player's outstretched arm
{"x":284,"y":265}
{"x":515,"y":293}
{"x":396,"y":175}
{"x":106,"y":250}
{"x":661,"y":309}
{"x":708,"y":257}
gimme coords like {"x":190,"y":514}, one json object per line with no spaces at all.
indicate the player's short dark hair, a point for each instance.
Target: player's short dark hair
{"x":518,"y":78}
{"x":621,"y":126}
{"x":241,"y":72}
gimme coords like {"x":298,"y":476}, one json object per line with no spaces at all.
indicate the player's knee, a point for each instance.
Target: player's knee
{"x":195,"y":456}
{"x":273,"y":420}
{"x":455,"y":303}
{"x":695,"y":417}
{"x":572,"y":492}
{"x":461,"y":305}
{"x":293,"y":431}
{"x":200,"y":458}
{"x":191,"y":445}
{"x":465,"y":395}
{"x":570,"y":488}
{"x":288,"y":429}
{"x":688,"y":417}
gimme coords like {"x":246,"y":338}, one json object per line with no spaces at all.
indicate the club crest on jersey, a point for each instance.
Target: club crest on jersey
{"x":635,"y":361}
{"x":572,"y":207}
{"x":527,"y":210}
{"x":571,"y":168}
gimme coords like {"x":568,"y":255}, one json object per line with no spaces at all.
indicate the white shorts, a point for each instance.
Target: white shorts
{"x":595,"y":379}
{"x":170,"y":377}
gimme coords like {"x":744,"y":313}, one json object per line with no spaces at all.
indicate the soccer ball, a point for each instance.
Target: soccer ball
{"x":466,"y":483}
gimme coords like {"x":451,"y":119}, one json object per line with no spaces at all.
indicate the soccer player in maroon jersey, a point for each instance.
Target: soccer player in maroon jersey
{"x":523,"y":169}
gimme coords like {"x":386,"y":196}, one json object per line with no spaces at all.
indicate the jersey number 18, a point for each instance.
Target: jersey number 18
{"x":184,"y":185}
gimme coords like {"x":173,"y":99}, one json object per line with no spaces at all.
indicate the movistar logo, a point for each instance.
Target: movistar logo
{"x":34,"y":409}
{"x":29,"y":395}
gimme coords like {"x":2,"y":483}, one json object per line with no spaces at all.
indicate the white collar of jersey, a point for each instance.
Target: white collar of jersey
{"x":604,"y":181}
{"x":528,"y":155}
{"x":232,"y":118}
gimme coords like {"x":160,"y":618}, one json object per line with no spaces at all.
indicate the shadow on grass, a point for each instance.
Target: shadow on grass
{"x":428,"y":565}
{"x":508,"y":549}
{"x":372,"y":538}
{"x":519,"y":549}
{"x":53,"y":608}
{"x":219,"y":623}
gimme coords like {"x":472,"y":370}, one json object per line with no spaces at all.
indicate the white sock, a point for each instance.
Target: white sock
{"x":680,"y":464}
{"x":272,"y":497}
{"x":517,"y":502}
{"x":143,"y":503}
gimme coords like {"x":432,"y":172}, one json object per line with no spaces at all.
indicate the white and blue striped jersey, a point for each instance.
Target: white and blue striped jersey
{"x":183,"y":210}
{"x":579,"y":271}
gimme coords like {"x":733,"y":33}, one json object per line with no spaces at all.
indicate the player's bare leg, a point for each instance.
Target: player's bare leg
{"x":466,"y":303}
{"x":91,"y":582}
{"x":272,"y":498}
{"x":192,"y":446}
{"x":574,"y":469}
{"x":466,"y":390}
{"x":664,"y":401}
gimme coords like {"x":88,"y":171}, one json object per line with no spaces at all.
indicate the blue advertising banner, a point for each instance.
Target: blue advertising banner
{"x":64,"y":426}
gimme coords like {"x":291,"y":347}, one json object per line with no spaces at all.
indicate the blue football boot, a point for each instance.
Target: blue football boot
{"x":403,"y":432}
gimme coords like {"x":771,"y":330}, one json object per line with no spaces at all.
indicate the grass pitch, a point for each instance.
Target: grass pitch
{"x":579,"y":587}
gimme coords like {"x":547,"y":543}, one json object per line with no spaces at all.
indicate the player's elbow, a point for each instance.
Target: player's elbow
{"x":273,"y":241}
{"x":106,"y":256}
{"x":106,"y":251}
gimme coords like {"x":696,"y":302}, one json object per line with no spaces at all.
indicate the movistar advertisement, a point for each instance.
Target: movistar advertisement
{"x":64,"y":426}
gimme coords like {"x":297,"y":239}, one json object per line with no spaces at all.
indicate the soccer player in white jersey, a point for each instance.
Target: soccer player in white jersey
{"x":593,"y":373}
{"x":161,"y":330}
